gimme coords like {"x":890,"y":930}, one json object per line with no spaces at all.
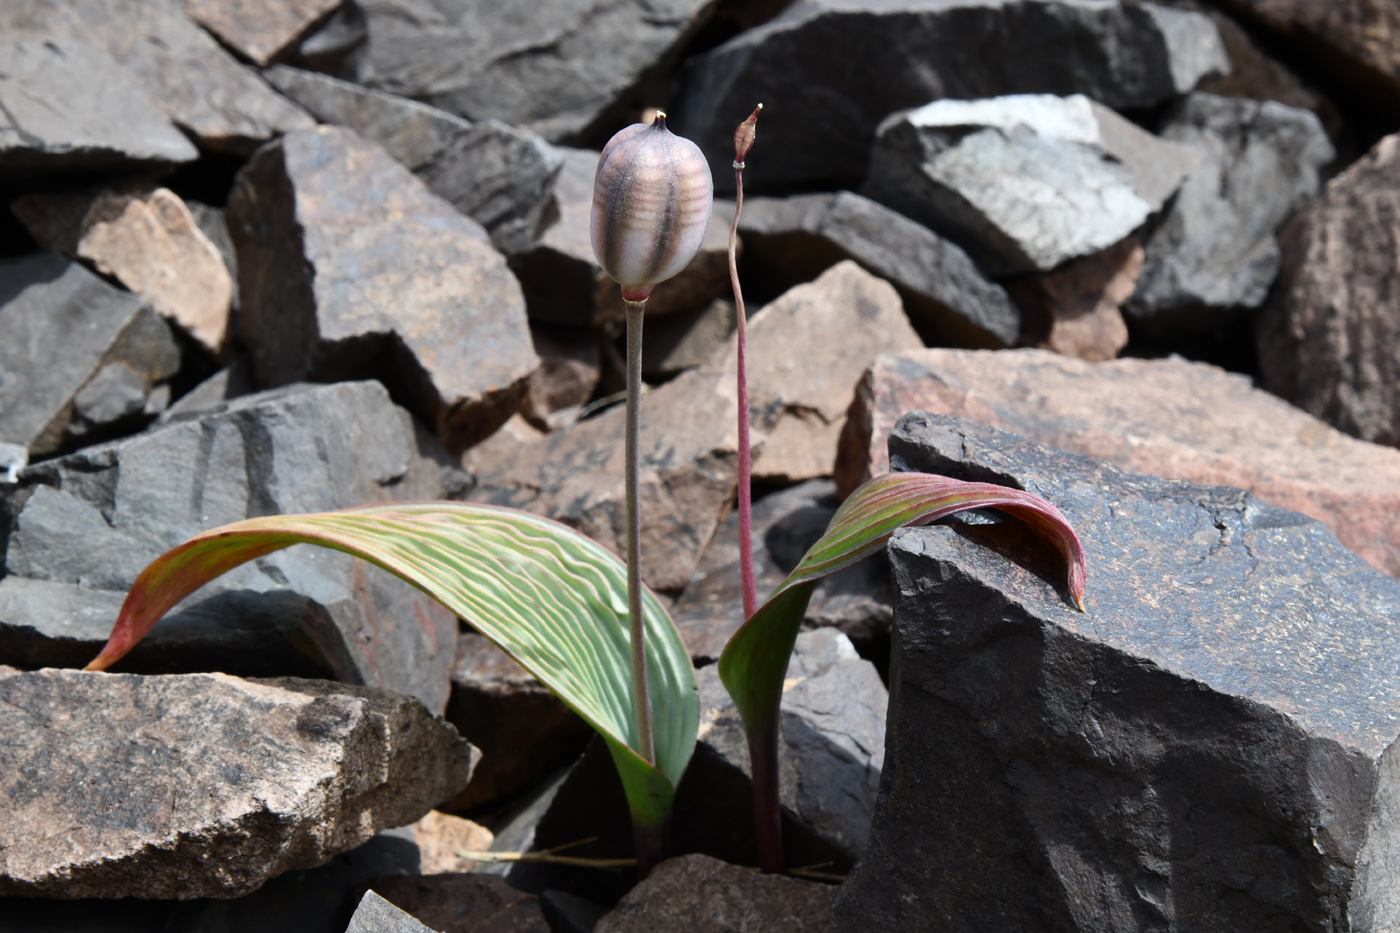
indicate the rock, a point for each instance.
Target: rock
{"x":1214,"y":251}
{"x":565,"y":285}
{"x":903,"y":54}
{"x":440,"y":836}
{"x":231,"y":382}
{"x":501,"y":177}
{"x":82,"y":527}
{"x":705,"y":895}
{"x":350,"y":267}
{"x":1075,"y":311}
{"x":204,"y":91}
{"x":272,"y":775}
{"x":61,"y":118}
{"x":523,"y":730}
{"x":969,"y":170}
{"x":474,"y":903}
{"x":792,"y":240}
{"x":806,"y":352}
{"x":259,"y":32}
{"x":376,"y":915}
{"x":566,"y":913}
{"x":677,"y":342}
{"x":566,"y":71}
{"x":687,"y":480}
{"x":1210,"y":746}
{"x":66,"y":332}
{"x":1169,"y":417}
{"x":149,"y":242}
{"x":785,"y":524}
{"x":1329,"y":337}
{"x":567,"y":376}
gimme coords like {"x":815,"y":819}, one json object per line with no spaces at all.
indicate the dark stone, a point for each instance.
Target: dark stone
{"x":501,"y":177}
{"x":677,"y":342}
{"x":949,"y":302}
{"x":1210,"y":746}
{"x":464,"y":903}
{"x":260,"y":32}
{"x":350,"y":268}
{"x":83,"y":526}
{"x":567,"y":913}
{"x":568,"y":375}
{"x":895,"y":55}
{"x":80,"y":358}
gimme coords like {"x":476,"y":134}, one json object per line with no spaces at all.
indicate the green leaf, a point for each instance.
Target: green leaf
{"x":551,"y":598}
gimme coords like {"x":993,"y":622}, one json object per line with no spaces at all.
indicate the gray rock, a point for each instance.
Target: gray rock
{"x":376,"y":915}
{"x":566,"y":71}
{"x":896,"y":54}
{"x":69,"y":336}
{"x":1214,"y":251}
{"x":1026,"y":182}
{"x":82,"y":527}
{"x":229,"y":383}
{"x":271,"y":776}
{"x":464,"y":903}
{"x":1210,"y":746}
{"x":950,"y":303}
{"x":62,"y":116}
{"x":677,"y":342}
{"x":568,"y":375}
{"x":501,"y":177}
{"x":260,"y":32}
{"x":202,"y":89}
{"x":349,"y":267}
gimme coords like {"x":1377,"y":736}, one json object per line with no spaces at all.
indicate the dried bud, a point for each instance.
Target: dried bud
{"x":651,"y":204}
{"x":744,"y":137}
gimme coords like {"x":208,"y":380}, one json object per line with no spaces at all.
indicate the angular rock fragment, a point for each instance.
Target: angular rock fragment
{"x":501,"y":177}
{"x":259,"y":31}
{"x":806,"y":351}
{"x":440,"y":836}
{"x":148,"y":241}
{"x":272,"y":775}
{"x":687,"y":479}
{"x":677,"y":342}
{"x":705,"y":895}
{"x":350,"y":267}
{"x":82,"y":527}
{"x":68,"y":107}
{"x":474,"y":903}
{"x":1169,"y":417}
{"x":1026,"y":182}
{"x":1329,"y":334}
{"x":566,"y":71}
{"x":69,"y":335}
{"x":901,"y":54}
{"x":793,"y":240}
{"x":567,"y":376}
{"x":1076,"y":310}
{"x":1214,"y":251}
{"x":1211,"y":746}
{"x":376,"y":915}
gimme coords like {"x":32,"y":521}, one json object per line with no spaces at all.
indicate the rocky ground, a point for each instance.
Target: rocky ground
{"x":1138,"y":257}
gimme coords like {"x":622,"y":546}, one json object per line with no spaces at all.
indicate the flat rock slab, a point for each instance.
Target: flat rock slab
{"x":349,"y":267}
{"x":64,"y":328}
{"x":376,"y":915}
{"x":68,"y":107}
{"x":259,"y":31}
{"x":1215,"y":251}
{"x":81,"y":528}
{"x":950,"y":303}
{"x":464,"y":903}
{"x":705,"y":895}
{"x":1168,"y":417}
{"x":1024,"y":182}
{"x":906,"y":53}
{"x":1329,"y":335}
{"x":1210,"y":746}
{"x":500,"y":176}
{"x":204,"y":785}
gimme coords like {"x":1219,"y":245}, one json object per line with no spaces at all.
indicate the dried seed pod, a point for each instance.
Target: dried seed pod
{"x":651,"y":204}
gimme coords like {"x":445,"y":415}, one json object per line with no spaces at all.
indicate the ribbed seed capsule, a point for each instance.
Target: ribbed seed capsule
{"x":651,"y":204}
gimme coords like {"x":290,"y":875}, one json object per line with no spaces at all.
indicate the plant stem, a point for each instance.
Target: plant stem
{"x":641,"y":696}
{"x":746,"y":574}
{"x":767,"y":809}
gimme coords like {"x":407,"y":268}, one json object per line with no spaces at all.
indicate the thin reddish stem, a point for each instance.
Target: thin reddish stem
{"x":746,"y":574}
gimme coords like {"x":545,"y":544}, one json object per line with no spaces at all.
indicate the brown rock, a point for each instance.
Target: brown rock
{"x":687,"y":477}
{"x":676,"y":342}
{"x":204,"y":785}
{"x":1168,"y":417}
{"x":700,"y":894}
{"x":806,"y":352}
{"x":522,"y":729}
{"x":149,"y":241}
{"x":259,"y":31}
{"x":464,"y":903}
{"x":349,"y":267}
{"x":567,"y":376}
{"x":1075,"y":310}
{"x":1329,"y":334}
{"x":440,"y":836}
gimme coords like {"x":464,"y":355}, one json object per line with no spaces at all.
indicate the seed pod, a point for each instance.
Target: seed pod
{"x":651,"y":204}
